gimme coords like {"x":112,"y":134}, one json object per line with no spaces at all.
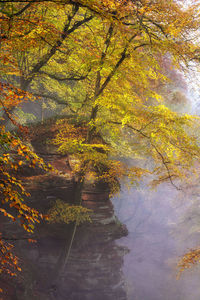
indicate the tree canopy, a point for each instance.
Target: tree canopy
{"x":100,"y":61}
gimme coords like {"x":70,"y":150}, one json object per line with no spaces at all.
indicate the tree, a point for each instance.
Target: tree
{"x":20,"y":28}
{"x":15,"y":154}
{"x":122,"y":63}
{"x":115,"y":110}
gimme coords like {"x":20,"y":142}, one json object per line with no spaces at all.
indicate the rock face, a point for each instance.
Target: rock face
{"x":61,"y":265}
{"x":95,"y":257}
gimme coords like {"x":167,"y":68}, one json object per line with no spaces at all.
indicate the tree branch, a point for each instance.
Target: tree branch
{"x":58,"y":101}
{"x":72,"y":77}
{"x":66,"y":31}
{"x":23,"y":9}
{"x":112,"y":73}
{"x":156,"y":149}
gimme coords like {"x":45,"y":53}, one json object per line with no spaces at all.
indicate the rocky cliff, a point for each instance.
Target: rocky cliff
{"x":92,"y":267}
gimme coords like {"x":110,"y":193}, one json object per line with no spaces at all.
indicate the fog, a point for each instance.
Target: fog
{"x":163,"y":224}
{"x":156,"y":242}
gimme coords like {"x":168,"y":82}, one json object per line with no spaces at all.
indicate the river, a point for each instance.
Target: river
{"x":161,"y":228}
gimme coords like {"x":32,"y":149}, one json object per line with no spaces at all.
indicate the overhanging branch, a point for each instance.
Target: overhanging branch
{"x":69,"y":78}
{"x":55,"y":99}
{"x":164,"y":162}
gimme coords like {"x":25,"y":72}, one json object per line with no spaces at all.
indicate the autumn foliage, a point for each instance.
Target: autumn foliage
{"x":189,"y":260}
{"x":14,"y":154}
{"x":100,"y":60}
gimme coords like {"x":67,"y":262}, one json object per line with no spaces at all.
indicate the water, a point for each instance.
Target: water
{"x":159,"y":233}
